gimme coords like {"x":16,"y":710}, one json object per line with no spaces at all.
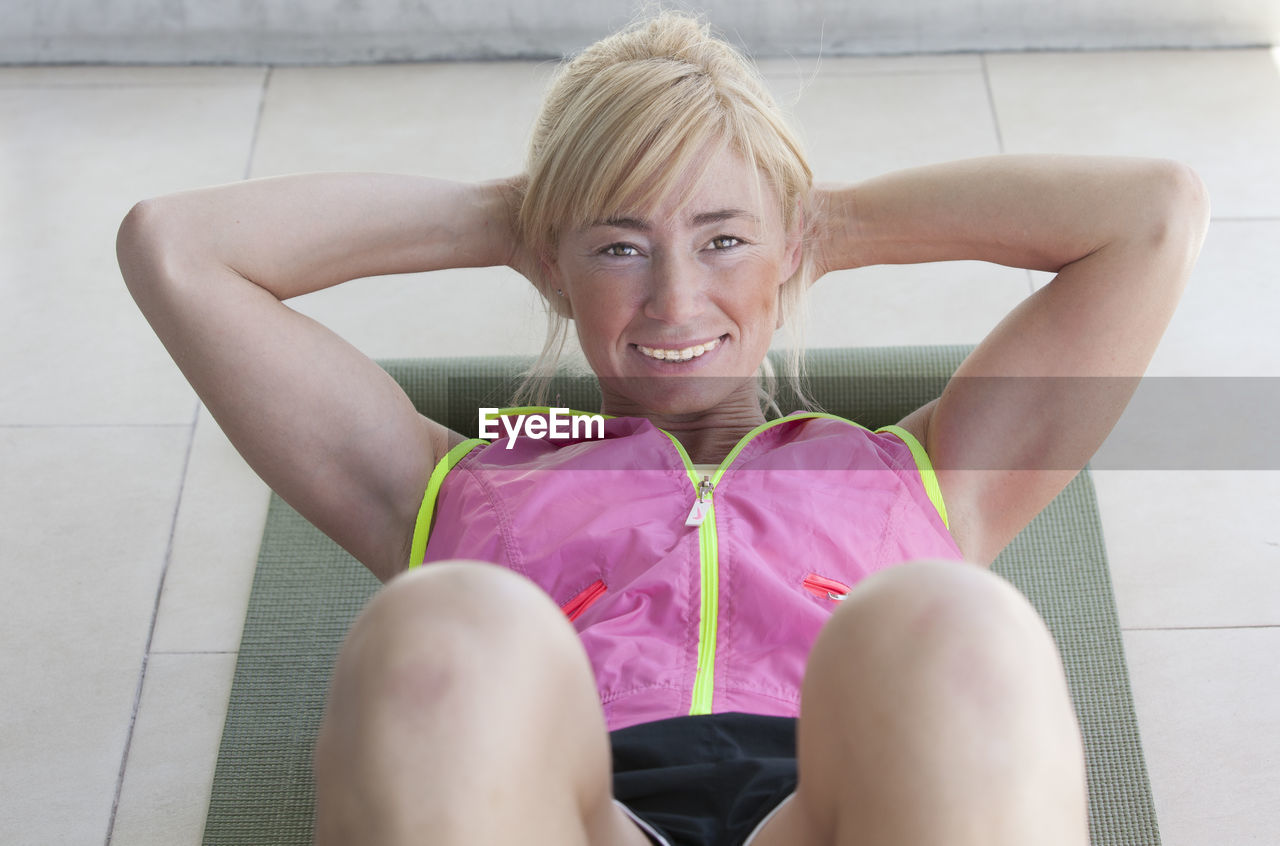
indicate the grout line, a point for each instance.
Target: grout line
{"x":257,"y":121}
{"x":151,"y":633}
{"x":124,"y":84}
{"x":991,"y":103}
{"x":851,"y":73}
{"x":117,"y":86}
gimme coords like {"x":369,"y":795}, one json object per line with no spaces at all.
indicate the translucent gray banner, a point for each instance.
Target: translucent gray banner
{"x":1169,"y":423}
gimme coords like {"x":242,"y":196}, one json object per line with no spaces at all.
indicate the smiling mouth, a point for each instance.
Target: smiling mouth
{"x":684,"y":354}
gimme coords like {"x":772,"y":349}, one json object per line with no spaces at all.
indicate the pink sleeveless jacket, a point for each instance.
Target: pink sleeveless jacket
{"x":691,"y":602}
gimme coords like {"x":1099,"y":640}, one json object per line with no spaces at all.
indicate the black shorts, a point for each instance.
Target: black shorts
{"x":707,"y":780}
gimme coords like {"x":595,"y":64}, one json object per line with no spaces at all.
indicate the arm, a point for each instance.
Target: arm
{"x":1121,"y":235}
{"x":321,"y":423}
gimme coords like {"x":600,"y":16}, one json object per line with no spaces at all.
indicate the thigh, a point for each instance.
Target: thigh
{"x":460,"y":682}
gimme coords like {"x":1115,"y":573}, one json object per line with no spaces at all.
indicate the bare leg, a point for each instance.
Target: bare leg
{"x":463,"y":711}
{"x":935,"y":711}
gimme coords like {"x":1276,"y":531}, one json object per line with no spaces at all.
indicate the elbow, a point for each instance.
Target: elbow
{"x":1178,"y":208}
{"x":1188,"y":195}
{"x":135,"y":240}
{"x":145,"y":247}
{"x":136,"y":226}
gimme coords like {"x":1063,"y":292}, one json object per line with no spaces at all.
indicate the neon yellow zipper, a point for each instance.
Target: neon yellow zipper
{"x":708,"y":628}
{"x":703,"y":515}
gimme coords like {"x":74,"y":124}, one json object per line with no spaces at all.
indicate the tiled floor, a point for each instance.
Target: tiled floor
{"x":129,"y":525}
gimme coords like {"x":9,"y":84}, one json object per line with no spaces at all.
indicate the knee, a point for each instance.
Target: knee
{"x":939,"y":600}
{"x":952,"y":622}
{"x":458,"y":599}
{"x":451,"y":628}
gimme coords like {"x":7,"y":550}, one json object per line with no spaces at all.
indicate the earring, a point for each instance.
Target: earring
{"x":560,"y":292}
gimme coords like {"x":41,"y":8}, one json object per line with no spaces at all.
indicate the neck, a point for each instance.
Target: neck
{"x":707,"y":435}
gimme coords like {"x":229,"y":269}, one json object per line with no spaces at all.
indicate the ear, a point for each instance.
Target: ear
{"x":793,"y":257}
{"x":795,"y":241}
{"x":552,"y":287}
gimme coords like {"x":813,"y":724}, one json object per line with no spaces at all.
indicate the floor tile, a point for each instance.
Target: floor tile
{"x":165,"y":794}
{"x":1206,"y":703}
{"x":73,"y":347}
{"x":807,"y":67}
{"x":1225,"y":324}
{"x":453,"y":120}
{"x":88,"y":514}
{"x":1193,"y":548}
{"x":104,"y":76}
{"x":790,"y":76}
{"x":857,"y":126}
{"x":482,"y":311}
{"x":215,"y":548}
{"x":942,"y":303}
{"x":1218,"y":110}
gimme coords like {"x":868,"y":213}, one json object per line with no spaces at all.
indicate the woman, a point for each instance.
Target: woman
{"x":668,"y":212}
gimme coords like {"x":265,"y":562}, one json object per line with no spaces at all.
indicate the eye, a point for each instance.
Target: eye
{"x":620,"y":250}
{"x":724,"y":242}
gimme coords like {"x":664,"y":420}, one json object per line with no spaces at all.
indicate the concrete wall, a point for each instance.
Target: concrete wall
{"x":318,"y":31}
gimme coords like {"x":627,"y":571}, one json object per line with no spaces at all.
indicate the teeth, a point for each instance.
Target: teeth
{"x":679,"y":355}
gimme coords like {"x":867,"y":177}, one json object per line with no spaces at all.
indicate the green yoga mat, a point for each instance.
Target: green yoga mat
{"x":307,"y":591}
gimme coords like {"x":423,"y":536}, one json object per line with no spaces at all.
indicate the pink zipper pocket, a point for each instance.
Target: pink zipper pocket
{"x":824,"y":588}
{"x":578,"y":606}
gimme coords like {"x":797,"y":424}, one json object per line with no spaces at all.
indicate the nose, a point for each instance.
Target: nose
{"x":675,"y":293}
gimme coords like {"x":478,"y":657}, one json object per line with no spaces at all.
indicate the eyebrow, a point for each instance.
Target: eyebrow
{"x":699,"y":219}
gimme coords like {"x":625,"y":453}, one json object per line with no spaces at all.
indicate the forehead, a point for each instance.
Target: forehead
{"x":716,"y":186}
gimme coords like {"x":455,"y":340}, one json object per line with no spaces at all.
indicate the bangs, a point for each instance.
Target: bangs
{"x":637,"y":166}
{"x":644,"y":132}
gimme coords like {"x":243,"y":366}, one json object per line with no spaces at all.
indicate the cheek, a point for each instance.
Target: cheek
{"x":603,"y":302}
{"x":760,"y":296}
{"x":599,"y":321}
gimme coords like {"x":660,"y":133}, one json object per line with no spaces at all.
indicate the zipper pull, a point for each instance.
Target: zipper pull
{"x":702,"y":504}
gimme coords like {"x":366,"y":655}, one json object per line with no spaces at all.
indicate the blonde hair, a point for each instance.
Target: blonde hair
{"x":622,"y":121}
